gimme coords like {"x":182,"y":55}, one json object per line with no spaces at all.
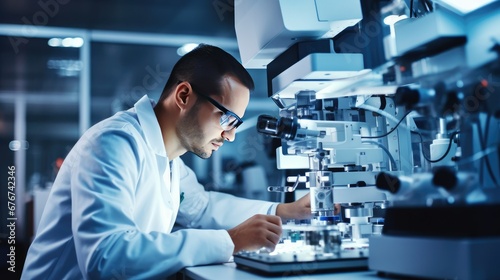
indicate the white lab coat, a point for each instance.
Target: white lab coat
{"x":114,"y":202}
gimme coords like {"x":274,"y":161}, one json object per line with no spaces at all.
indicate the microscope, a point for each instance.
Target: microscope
{"x":407,"y":145}
{"x":336,"y":144}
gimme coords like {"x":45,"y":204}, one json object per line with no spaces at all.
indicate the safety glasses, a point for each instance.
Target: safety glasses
{"x":229,"y":120}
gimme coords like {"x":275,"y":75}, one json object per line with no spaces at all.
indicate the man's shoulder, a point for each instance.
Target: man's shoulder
{"x":122,"y":125}
{"x":124,"y":120}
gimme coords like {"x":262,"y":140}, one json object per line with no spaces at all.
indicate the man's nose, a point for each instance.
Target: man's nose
{"x":229,"y":135}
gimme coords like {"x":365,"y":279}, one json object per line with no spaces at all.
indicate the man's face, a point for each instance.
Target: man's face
{"x":200,"y":131}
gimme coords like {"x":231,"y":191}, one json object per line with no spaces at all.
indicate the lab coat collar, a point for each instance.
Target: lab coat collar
{"x":150,"y":126}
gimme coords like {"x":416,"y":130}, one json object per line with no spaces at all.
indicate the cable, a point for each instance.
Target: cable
{"x":394,"y":167}
{"x":390,"y":131}
{"x":445,"y":153}
{"x":411,"y":8}
{"x":483,"y":140}
{"x":421,"y":139}
{"x":378,"y":111}
{"x":479,"y":155}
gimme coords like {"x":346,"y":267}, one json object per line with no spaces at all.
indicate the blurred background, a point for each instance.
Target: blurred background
{"x":67,"y":64}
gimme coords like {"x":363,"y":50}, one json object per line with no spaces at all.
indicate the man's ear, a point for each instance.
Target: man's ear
{"x":183,"y":94}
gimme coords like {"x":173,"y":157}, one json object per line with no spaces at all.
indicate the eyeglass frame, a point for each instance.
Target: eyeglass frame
{"x":223,"y":109}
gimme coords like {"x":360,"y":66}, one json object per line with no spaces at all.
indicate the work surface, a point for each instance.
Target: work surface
{"x":229,"y":271}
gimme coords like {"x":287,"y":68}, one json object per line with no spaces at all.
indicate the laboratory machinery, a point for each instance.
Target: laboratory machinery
{"x":388,"y":115}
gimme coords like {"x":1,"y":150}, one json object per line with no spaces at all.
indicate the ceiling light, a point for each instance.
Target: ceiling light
{"x":68,"y":42}
{"x":186,"y":48}
{"x":55,"y":42}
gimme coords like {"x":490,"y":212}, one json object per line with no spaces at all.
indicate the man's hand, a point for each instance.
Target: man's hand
{"x":299,"y":209}
{"x":256,"y":232}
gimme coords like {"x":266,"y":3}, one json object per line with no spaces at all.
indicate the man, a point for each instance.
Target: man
{"x":121,"y":188}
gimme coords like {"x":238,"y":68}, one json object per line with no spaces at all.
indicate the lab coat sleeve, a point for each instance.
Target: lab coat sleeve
{"x":203,"y":209}
{"x":109,"y":245}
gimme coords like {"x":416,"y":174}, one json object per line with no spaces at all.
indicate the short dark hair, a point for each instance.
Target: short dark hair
{"x":205,"y":66}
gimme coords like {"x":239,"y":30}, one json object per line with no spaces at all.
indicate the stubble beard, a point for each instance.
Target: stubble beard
{"x":191,"y":134}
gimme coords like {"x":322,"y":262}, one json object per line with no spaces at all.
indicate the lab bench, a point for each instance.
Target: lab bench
{"x":229,"y":271}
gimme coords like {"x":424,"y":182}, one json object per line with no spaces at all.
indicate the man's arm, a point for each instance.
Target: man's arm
{"x":104,"y":209}
{"x":203,"y":209}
